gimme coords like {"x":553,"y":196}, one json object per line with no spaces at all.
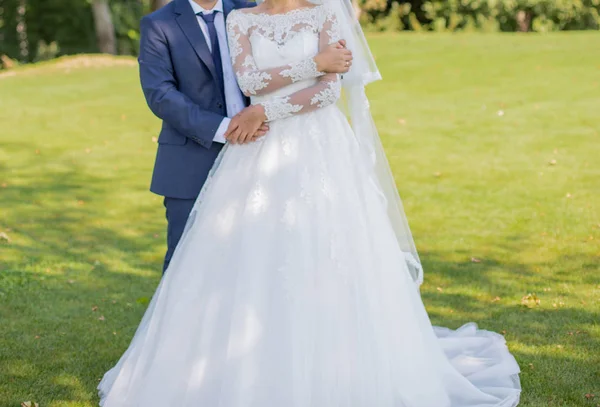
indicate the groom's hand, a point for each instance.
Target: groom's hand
{"x":334,"y":59}
{"x":248,"y":125}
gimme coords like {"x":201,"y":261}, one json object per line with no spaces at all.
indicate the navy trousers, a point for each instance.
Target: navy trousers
{"x":177,"y":212}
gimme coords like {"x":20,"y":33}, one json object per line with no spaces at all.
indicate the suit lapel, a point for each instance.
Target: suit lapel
{"x":188,"y":22}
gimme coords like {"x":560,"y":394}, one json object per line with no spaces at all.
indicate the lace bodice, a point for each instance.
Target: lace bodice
{"x":273,"y":58}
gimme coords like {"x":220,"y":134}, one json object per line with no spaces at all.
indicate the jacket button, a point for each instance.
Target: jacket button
{"x":220,"y":105}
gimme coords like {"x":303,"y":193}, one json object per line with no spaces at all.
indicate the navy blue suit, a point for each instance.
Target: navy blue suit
{"x":181,"y":87}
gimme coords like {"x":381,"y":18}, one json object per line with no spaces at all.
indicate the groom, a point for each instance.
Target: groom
{"x":189,"y":83}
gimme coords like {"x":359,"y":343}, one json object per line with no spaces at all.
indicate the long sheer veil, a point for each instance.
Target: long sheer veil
{"x":355,"y":103}
{"x":364,"y":71}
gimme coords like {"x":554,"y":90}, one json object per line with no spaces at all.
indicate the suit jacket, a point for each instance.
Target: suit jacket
{"x":179,"y":81}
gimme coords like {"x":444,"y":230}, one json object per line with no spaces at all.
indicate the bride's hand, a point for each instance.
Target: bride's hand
{"x":334,"y":59}
{"x":246,"y":125}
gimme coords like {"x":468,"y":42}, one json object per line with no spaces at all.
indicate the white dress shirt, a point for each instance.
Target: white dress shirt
{"x":233,"y":96}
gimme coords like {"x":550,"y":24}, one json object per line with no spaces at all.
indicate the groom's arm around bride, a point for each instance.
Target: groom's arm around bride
{"x":189,"y":83}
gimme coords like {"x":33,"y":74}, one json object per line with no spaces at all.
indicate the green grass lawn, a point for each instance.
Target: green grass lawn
{"x":494,"y":143}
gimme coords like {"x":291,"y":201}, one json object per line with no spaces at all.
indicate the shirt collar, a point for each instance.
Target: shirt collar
{"x":199,"y":9}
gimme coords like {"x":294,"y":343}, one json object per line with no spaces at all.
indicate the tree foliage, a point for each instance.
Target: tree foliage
{"x":156,"y":4}
{"x":48,"y":28}
{"x":67,"y":27}
{"x":483,"y":15}
{"x":104,"y":27}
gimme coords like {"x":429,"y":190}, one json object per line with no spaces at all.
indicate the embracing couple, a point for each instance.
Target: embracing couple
{"x":291,"y":278}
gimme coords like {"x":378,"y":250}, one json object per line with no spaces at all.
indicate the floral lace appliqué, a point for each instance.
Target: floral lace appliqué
{"x":280,"y":28}
{"x":257,"y":200}
{"x":302,"y":70}
{"x":249,"y":62}
{"x":262,"y":78}
{"x":327,"y":96}
{"x":250,"y":82}
{"x":289,"y":214}
{"x":334,"y":30}
{"x":279,"y":108}
{"x":235,"y":49}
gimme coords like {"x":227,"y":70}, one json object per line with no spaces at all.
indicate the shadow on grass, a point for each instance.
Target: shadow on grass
{"x":555,"y":347}
{"x":66,"y":215}
{"x":75,"y":281}
{"x":56,"y":347}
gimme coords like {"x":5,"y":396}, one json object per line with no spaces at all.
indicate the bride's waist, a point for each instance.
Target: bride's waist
{"x":285,"y":91}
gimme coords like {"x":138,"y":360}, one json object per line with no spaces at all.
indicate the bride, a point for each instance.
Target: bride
{"x":296,"y":281}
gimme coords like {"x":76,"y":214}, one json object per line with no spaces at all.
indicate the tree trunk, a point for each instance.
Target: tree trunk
{"x":105,"y":29}
{"x":523,"y":21}
{"x":22,"y":30}
{"x":156,"y":4}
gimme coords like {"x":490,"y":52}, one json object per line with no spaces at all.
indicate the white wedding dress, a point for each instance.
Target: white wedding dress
{"x":288,"y":288}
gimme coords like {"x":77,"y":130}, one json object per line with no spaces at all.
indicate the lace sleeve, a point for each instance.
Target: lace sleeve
{"x":324,"y":93}
{"x":254,"y":81}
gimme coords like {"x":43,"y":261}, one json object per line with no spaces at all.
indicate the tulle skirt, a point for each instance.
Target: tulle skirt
{"x":288,"y":289}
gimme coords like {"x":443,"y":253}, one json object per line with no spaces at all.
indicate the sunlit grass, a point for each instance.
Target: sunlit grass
{"x":493,"y":140}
